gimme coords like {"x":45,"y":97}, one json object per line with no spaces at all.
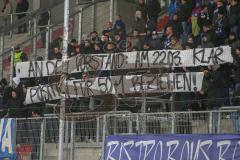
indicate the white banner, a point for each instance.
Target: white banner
{"x":119,"y":85}
{"x":128,"y":60}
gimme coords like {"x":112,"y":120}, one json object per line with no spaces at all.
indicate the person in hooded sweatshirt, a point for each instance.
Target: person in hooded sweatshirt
{"x":14,"y":106}
{"x":18,"y":87}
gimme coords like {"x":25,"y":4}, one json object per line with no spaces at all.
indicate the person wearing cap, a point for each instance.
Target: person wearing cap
{"x":220,"y":26}
{"x":19,"y":56}
{"x":71,"y":47}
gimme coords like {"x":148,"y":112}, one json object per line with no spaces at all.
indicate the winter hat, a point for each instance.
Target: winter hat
{"x":16,"y":80}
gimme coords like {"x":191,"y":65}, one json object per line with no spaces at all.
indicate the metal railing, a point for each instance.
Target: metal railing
{"x":90,"y":129}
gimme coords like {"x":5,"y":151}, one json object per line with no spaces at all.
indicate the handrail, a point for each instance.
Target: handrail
{"x":15,"y":13}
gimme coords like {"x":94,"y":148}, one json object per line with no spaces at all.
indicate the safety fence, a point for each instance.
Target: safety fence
{"x":34,"y":135}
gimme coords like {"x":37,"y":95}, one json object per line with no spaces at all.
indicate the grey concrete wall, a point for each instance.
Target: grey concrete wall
{"x":81,"y":153}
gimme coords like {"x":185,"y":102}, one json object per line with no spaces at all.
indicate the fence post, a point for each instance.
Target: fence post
{"x":66,"y":138}
{"x":80,"y":25}
{"x":11,"y":22}
{"x":47,"y":42}
{"x":218,"y":122}
{"x":34,"y":49}
{"x":73,"y":129}
{"x":210,"y":122}
{"x":1,"y":52}
{"x":93,"y":14}
{"x":97,"y":131}
{"x":11,"y":67}
{"x":173,"y":123}
{"x":104,"y":134}
{"x":42,"y":138}
{"x":111,"y":10}
{"x":137,"y":124}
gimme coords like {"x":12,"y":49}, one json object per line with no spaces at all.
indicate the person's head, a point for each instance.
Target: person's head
{"x":56,"y":50}
{"x":206,"y":27}
{"x":138,"y":14}
{"x":220,"y":13}
{"x":169,"y":30}
{"x":118,"y":17}
{"x":219,"y":4}
{"x":190,"y":39}
{"x":109,"y":24}
{"x":97,"y":47}
{"x":174,"y":40}
{"x":94,"y":34}
{"x":146,"y":45}
{"x":110,"y":46}
{"x":232,"y":36}
{"x":175,"y":17}
{"x":17,"y":49}
{"x":87,"y":43}
{"x":233,"y":2}
{"x":14,"y":94}
{"x":141,"y":1}
{"x":117,"y":37}
{"x":205,"y":8}
{"x":73,"y":42}
{"x":77,"y":49}
{"x":19,"y":1}
{"x":238,"y":51}
{"x":105,"y":38}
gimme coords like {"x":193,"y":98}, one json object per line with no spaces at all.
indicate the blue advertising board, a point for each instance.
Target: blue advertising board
{"x":7,"y":148}
{"x":172,"y":147}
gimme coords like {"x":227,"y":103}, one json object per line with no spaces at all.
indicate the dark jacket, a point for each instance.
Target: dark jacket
{"x":43,"y":21}
{"x":153,"y":8}
{"x":139,"y":25}
{"x":177,"y":27}
{"x":22,"y":7}
{"x":234,"y":15}
{"x":185,"y":12}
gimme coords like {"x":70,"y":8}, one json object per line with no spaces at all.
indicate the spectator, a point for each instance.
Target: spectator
{"x":150,"y":25}
{"x":77,"y":50}
{"x":22,"y":7}
{"x":19,"y":56}
{"x":43,"y":23}
{"x":194,"y":20}
{"x":220,"y":27}
{"x":234,"y":17}
{"x":207,"y":36}
{"x":175,"y":44}
{"x":233,"y":41}
{"x":139,"y":23}
{"x":147,"y":47}
{"x":219,"y":6}
{"x":204,"y":17}
{"x":56,"y":54}
{"x":88,"y":48}
{"x":6,"y":11}
{"x":14,"y":106}
{"x":155,"y":41}
{"x":141,"y":6}
{"x":153,"y":9}
{"x":190,"y":43}
{"x":71,"y":48}
{"x":110,"y":28}
{"x":173,"y":8}
{"x":97,"y":49}
{"x":136,"y":40}
{"x":176,"y":24}
{"x":18,"y":87}
{"x":94,"y":37}
{"x":184,"y":14}
{"x":119,"y":24}
{"x":168,"y":35}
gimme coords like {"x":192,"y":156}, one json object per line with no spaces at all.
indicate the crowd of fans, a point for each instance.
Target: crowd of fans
{"x":191,"y":24}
